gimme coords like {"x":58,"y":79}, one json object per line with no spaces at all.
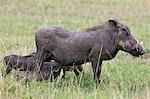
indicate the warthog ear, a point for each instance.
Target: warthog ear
{"x":113,"y":23}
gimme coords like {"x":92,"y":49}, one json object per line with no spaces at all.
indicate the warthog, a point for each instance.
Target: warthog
{"x":93,"y":45}
{"x":28,"y":65}
{"x":21,"y":63}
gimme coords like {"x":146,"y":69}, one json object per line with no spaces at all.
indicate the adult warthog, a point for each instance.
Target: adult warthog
{"x":93,"y":45}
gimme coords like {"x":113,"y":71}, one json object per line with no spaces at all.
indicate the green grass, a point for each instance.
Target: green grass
{"x":124,"y":77}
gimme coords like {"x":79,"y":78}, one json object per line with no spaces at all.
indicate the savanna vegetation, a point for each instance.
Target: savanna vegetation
{"x":124,"y":77}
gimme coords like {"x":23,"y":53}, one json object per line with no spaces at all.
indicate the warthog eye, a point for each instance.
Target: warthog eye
{"x":124,"y":29}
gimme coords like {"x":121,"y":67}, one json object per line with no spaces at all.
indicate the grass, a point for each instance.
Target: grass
{"x":124,"y":77}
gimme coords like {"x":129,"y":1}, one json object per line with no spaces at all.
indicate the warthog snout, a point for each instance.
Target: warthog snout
{"x":140,"y":49}
{"x":137,"y":50}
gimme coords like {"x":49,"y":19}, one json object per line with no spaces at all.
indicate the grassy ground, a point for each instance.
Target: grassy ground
{"x":124,"y":77}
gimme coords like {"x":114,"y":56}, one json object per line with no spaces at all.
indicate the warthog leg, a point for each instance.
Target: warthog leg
{"x":97,"y":71}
